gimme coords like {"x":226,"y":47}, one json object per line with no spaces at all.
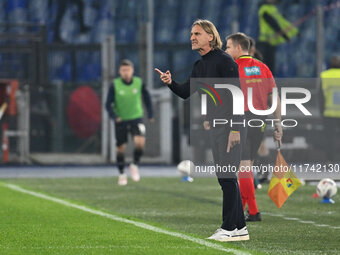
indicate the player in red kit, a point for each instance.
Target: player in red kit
{"x":255,"y":74}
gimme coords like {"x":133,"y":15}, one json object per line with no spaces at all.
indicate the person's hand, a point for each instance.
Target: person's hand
{"x":278,"y":134}
{"x":151,"y":120}
{"x":206,"y":125}
{"x":165,"y":77}
{"x":234,"y":139}
{"x":118,"y":119}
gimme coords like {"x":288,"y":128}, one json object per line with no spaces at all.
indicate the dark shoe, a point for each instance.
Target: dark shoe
{"x":256,"y":217}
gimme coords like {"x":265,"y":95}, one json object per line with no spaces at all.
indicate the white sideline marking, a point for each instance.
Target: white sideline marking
{"x":301,"y":221}
{"x":87,"y":247}
{"x":120,"y":219}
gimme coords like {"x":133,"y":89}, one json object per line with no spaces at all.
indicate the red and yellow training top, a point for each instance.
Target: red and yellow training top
{"x":255,"y":74}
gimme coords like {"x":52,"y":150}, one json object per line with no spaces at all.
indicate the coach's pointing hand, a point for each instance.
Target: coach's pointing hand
{"x":165,"y":77}
{"x":234,"y":139}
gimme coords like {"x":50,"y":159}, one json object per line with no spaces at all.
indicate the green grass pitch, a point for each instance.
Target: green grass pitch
{"x":31,"y":225}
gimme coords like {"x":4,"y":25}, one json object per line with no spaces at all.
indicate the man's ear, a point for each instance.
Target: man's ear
{"x":211,"y":37}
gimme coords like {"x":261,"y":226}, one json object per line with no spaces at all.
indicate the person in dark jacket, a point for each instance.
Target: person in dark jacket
{"x":226,"y":140}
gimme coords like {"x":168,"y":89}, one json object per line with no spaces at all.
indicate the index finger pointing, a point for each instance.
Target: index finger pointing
{"x":228,"y":147}
{"x":158,"y":71}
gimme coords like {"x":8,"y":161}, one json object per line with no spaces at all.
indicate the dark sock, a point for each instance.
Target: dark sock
{"x":121,"y":162}
{"x":137,"y":154}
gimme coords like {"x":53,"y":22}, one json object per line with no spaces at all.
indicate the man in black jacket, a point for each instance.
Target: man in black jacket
{"x":225,"y":140}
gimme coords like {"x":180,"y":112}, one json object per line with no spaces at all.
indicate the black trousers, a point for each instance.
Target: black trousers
{"x":232,"y":213}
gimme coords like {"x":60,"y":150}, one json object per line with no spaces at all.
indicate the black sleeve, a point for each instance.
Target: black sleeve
{"x":110,"y":99}
{"x":274,"y":24}
{"x":183,"y":90}
{"x":147,"y":101}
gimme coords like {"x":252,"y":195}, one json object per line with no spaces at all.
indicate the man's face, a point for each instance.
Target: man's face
{"x":199,"y":38}
{"x":232,"y":50}
{"x":126,"y":72}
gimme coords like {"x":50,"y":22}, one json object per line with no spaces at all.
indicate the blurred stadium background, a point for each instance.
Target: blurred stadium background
{"x":56,"y":130}
{"x":62,"y":83}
